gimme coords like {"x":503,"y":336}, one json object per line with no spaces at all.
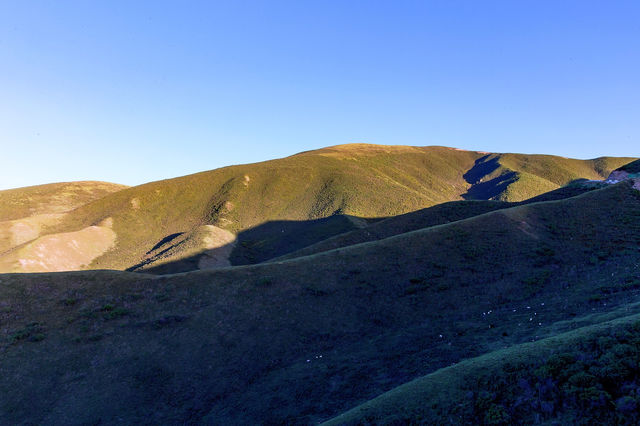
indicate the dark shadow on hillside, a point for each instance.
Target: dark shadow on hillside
{"x":572,"y":189}
{"x":164,"y":241}
{"x":488,"y":189}
{"x":289,"y":239}
{"x":482,"y":167}
{"x":257,"y":244}
{"x":273,"y":239}
{"x":632,"y":167}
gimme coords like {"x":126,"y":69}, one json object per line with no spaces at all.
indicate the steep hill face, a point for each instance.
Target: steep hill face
{"x":303,"y":340}
{"x":212,"y":218}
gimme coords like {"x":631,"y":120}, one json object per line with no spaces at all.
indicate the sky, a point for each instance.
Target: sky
{"x":134,"y":91}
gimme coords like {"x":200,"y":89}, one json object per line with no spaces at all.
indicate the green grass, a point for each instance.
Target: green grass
{"x":303,"y":340}
{"x":365,"y":181}
{"x":51,"y":198}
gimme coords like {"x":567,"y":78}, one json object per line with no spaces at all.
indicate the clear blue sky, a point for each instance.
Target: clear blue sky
{"x":133,"y":91}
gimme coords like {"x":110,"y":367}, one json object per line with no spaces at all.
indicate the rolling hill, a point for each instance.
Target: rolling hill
{"x":51,"y":198}
{"x":28,"y":213}
{"x":304,"y":340}
{"x":250,"y":213}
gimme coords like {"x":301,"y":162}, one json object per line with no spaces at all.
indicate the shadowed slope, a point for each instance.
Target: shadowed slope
{"x":251,"y":246}
{"x":432,"y":216}
{"x":303,"y":340}
{"x":631,"y":168}
{"x":584,"y":376}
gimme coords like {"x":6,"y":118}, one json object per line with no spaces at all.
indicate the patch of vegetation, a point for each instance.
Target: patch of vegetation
{"x":264,"y":282}
{"x":110,"y":312}
{"x":69,"y":301}
{"x":32,"y":332}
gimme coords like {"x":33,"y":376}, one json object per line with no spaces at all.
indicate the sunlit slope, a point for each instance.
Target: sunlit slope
{"x":358,"y":180}
{"x":517,"y":177}
{"x":190,"y":216}
{"x":27,"y":213}
{"x":371,"y":182}
{"x":51,"y":198}
{"x":304,"y":340}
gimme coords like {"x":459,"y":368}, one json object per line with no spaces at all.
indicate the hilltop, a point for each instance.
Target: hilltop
{"x":251,"y":213}
{"x":51,"y":198}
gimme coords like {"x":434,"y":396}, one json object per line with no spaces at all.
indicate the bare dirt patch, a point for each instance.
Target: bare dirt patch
{"x":60,"y":252}
{"x":16,"y":232}
{"x":135,"y":204}
{"x":219,"y":244}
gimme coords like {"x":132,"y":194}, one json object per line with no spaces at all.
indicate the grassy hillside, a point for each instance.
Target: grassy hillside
{"x":304,"y":340}
{"x":590,"y":375}
{"x":420,"y":219}
{"x":517,"y":177}
{"x":303,"y":187}
{"x":51,"y":198}
{"x":27,"y":213}
{"x":361,"y":181}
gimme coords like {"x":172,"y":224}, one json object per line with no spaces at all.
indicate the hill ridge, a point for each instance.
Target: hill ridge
{"x":361,"y":180}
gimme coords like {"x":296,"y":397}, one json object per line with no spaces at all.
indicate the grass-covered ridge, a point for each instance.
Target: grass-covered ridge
{"x":303,"y":340}
{"x":360,"y":181}
{"x":51,"y":198}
